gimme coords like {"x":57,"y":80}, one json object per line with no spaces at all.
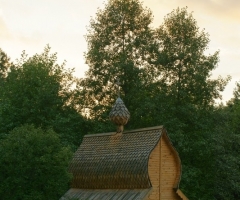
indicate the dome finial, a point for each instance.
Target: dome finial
{"x":119,"y":114}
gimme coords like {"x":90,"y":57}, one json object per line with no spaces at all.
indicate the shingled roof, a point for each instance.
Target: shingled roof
{"x":114,"y":161}
{"x":113,"y":165}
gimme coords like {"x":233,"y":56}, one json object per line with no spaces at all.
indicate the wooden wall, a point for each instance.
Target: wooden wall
{"x":154,"y":171}
{"x":164,"y":171}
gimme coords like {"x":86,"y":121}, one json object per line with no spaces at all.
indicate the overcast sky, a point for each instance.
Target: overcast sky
{"x":31,"y":25}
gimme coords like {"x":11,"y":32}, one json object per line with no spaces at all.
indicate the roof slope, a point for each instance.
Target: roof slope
{"x":114,"y":161}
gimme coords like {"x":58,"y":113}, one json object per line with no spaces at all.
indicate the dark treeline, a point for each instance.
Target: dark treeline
{"x":165,"y":80}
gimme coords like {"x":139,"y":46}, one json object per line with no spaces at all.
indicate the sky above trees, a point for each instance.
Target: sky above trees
{"x":30,"y":25}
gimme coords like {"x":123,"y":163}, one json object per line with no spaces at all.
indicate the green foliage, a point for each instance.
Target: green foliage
{"x":234,"y":109}
{"x":182,"y":64}
{"x":39,"y":91}
{"x":226,"y":146}
{"x":33,"y":89}
{"x":33,"y":165}
{"x":226,"y":140}
{"x":118,"y":41}
{"x":4,"y":64}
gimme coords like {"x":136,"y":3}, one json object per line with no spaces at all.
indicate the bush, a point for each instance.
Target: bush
{"x":33,"y":165}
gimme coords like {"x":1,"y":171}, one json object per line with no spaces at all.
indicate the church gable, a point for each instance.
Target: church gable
{"x":164,"y":170}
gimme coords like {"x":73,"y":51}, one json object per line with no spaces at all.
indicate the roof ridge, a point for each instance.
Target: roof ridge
{"x":126,"y":132}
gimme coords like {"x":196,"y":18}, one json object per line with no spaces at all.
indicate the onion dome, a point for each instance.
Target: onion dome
{"x":119,"y":114}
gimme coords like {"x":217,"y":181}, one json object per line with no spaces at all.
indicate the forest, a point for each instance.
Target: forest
{"x":166,"y":79}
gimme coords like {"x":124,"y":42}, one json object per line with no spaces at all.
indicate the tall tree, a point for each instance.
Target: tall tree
{"x":182,"y":62}
{"x":118,"y":41}
{"x":38,"y":91}
{"x":184,"y":73}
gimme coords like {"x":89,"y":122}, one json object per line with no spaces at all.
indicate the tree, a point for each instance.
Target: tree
{"x":4,"y":64}
{"x":184,"y":74}
{"x":183,"y":66}
{"x":38,"y":91}
{"x":226,"y":140}
{"x":118,"y":41}
{"x":33,"y":165}
{"x":226,"y":145}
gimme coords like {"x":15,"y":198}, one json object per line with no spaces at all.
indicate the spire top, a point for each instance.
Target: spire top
{"x":118,"y":85}
{"x":119,"y":114}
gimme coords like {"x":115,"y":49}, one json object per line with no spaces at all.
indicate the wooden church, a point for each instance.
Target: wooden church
{"x":126,"y":165}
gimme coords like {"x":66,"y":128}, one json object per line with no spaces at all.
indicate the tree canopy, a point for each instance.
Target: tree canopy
{"x":39,"y":91}
{"x":161,"y":68}
{"x":182,"y":62}
{"x":118,"y":40}
{"x":33,"y":165}
{"x":4,"y":64}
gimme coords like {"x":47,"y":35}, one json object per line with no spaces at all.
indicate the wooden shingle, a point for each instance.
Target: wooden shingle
{"x":114,"y":161}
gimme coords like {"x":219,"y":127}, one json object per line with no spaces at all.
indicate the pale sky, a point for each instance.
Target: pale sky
{"x":31,"y":25}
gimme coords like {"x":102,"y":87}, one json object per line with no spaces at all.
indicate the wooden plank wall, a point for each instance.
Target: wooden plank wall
{"x":163,"y":171}
{"x":169,"y":171}
{"x":154,"y":172}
